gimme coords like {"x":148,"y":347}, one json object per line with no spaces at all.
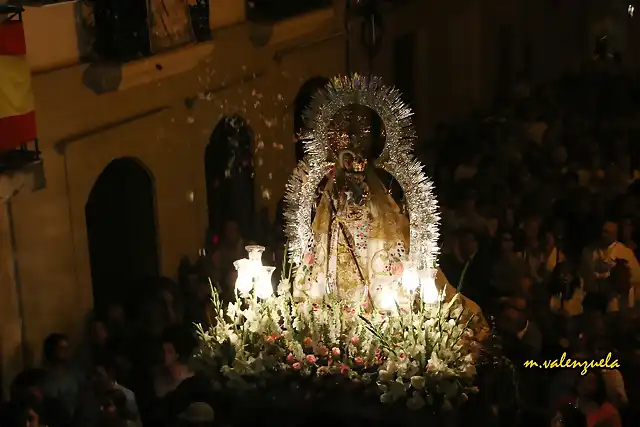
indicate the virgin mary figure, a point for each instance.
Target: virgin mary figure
{"x":361,"y":236}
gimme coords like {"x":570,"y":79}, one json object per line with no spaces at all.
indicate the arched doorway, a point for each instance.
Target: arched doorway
{"x":121,"y":230}
{"x":301,"y":102}
{"x":229,"y":175}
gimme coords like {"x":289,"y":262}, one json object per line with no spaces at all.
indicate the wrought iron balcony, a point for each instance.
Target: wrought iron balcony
{"x":276,"y":10}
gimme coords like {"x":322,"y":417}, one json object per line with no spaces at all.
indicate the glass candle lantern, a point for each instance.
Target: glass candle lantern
{"x":428,"y":289}
{"x":244,"y":281}
{"x":255,"y":257}
{"x":264,"y":287}
{"x":410,"y":278}
{"x":388,"y":300}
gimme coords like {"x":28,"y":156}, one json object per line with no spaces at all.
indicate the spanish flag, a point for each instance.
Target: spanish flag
{"x":17,"y":116}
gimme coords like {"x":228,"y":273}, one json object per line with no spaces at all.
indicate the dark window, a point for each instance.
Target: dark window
{"x":121,"y":32}
{"x":229,"y":175}
{"x":403,"y":62}
{"x":121,"y":231}
{"x":125,"y":30}
{"x":274,"y":10}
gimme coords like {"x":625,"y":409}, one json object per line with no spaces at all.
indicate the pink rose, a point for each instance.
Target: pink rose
{"x":311,"y":359}
{"x":344,"y":369}
{"x":335,"y":352}
{"x":296,"y":366}
{"x":309,"y":258}
{"x":355,"y":340}
{"x":321,"y":351}
{"x":358,"y":361}
{"x":290,"y":358}
{"x":270,"y":340}
{"x":397,"y":269}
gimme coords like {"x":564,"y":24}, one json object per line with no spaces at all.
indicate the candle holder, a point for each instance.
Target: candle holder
{"x":244,"y":281}
{"x":428,"y":290}
{"x":252,"y":275}
{"x":264,"y":287}
{"x":410,"y":278}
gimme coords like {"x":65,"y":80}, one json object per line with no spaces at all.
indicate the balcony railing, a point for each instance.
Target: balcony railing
{"x":276,"y":10}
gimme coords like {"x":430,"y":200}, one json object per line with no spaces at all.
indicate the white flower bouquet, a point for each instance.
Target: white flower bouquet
{"x":422,"y":357}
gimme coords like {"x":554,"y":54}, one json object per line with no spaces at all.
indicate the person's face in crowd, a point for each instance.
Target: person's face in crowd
{"x":549,"y":240}
{"x":468,"y":245}
{"x":506,"y":243}
{"x":609,"y":233}
{"x":100,"y":333}
{"x":100,"y":379}
{"x":626,"y":229}
{"x":115,"y":314}
{"x":587,"y":385}
{"x":216,"y":258}
{"x":33,"y":420}
{"x":170,"y":354}
{"x":492,"y":226}
{"x":63,"y":351}
{"x":531,"y":228}
{"x":557,"y":421}
{"x":231,"y":232}
{"x":512,"y":321}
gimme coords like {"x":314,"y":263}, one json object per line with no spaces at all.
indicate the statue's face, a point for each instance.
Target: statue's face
{"x":351,"y":162}
{"x":351,"y":129}
{"x":346,"y":161}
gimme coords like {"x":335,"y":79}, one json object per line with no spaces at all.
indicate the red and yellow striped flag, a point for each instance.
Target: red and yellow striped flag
{"x":17,"y":116}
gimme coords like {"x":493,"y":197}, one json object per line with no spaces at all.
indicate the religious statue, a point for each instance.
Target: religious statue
{"x":360,"y":233}
{"x":356,"y":241}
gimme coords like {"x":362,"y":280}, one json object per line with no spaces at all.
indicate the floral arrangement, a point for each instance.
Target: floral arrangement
{"x":423,"y":357}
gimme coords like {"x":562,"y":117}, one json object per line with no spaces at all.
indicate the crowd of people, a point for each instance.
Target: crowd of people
{"x":539,"y":216}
